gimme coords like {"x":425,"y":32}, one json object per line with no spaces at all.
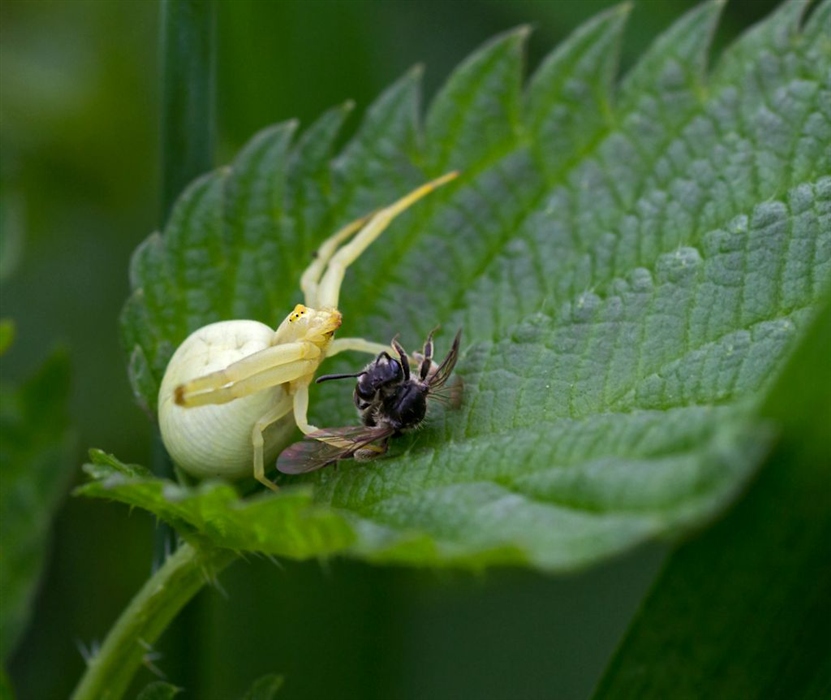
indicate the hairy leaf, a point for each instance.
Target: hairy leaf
{"x":631,"y":264}
{"x":213,"y":514}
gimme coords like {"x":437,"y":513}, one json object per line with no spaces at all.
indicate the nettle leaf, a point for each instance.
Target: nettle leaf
{"x":631,"y":264}
{"x":212,"y":514}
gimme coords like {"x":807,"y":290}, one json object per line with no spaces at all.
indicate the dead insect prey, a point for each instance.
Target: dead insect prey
{"x":234,"y":390}
{"x":390,"y":398}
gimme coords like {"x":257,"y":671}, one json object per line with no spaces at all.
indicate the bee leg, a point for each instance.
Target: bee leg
{"x":370,"y":452}
{"x":427,"y":362}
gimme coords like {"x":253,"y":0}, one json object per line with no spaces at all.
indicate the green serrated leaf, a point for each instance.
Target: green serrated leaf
{"x":580,"y":72}
{"x":380,"y":155}
{"x":104,"y":465}
{"x":254,"y":219}
{"x":158,"y":690}
{"x":35,"y":451}
{"x":265,"y":688}
{"x":213,"y":514}
{"x":477,"y":113}
{"x":631,"y":268}
{"x":310,"y":180}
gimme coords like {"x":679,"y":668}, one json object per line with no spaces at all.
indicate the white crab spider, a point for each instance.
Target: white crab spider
{"x":229,"y":388}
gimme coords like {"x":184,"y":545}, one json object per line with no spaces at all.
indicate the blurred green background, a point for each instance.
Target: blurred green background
{"x":79,"y":138}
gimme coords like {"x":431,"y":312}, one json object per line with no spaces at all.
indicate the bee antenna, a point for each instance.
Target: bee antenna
{"x":351,"y":375}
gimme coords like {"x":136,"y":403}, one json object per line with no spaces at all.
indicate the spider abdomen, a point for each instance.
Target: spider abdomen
{"x":215,"y":440}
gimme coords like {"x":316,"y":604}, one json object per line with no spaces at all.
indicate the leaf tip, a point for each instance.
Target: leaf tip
{"x":416,"y":72}
{"x":624,"y":9}
{"x":514,"y":38}
{"x":718,"y":6}
{"x":522,"y":31}
{"x":97,"y":455}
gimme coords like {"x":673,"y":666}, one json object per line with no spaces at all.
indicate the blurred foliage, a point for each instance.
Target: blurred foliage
{"x":6,"y":334}
{"x":265,"y":688}
{"x":36,"y":454}
{"x":159,"y":690}
{"x":756,"y":588}
{"x":78,"y":137}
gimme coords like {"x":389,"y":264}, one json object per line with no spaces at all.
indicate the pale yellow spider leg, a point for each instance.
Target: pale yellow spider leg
{"x":329,"y":288}
{"x":311,"y":276}
{"x":356,"y":344}
{"x":269,"y":367}
{"x":253,"y":384}
{"x":281,"y":409}
{"x":301,"y":410}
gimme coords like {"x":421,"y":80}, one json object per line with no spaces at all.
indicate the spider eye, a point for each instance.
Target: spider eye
{"x":298,"y":313}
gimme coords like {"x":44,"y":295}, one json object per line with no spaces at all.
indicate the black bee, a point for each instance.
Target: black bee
{"x":390,"y":399}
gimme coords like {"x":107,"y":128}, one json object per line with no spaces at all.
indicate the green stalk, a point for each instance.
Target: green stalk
{"x":181,"y":576}
{"x":188,"y":70}
{"x":188,"y":36}
{"x":188,"y":78}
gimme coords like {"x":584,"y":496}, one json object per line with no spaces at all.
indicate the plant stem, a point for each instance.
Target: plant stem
{"x":188,"y":38}
{"x":188,"y":77}
{"x":181,"y":576}
{"x":188,"y":53}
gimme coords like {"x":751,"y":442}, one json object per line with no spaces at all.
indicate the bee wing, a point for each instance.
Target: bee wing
{"x":445,"y":369}
{"x":324,"y":447}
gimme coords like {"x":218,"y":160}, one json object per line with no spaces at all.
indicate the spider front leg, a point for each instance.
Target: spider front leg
{"x":271,"y":366}
{"x":322,"y":280}
{"x":356,"y":344}
{"x":310,"y":278}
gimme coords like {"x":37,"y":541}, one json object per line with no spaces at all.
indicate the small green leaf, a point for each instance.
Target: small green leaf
{"x":158,"y":690}
{"x":214,"y":514}
{"x":103,"y":465}
{"x":631,"y":264}
{"x":264,"y":688}
{"x":35,"y":451}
